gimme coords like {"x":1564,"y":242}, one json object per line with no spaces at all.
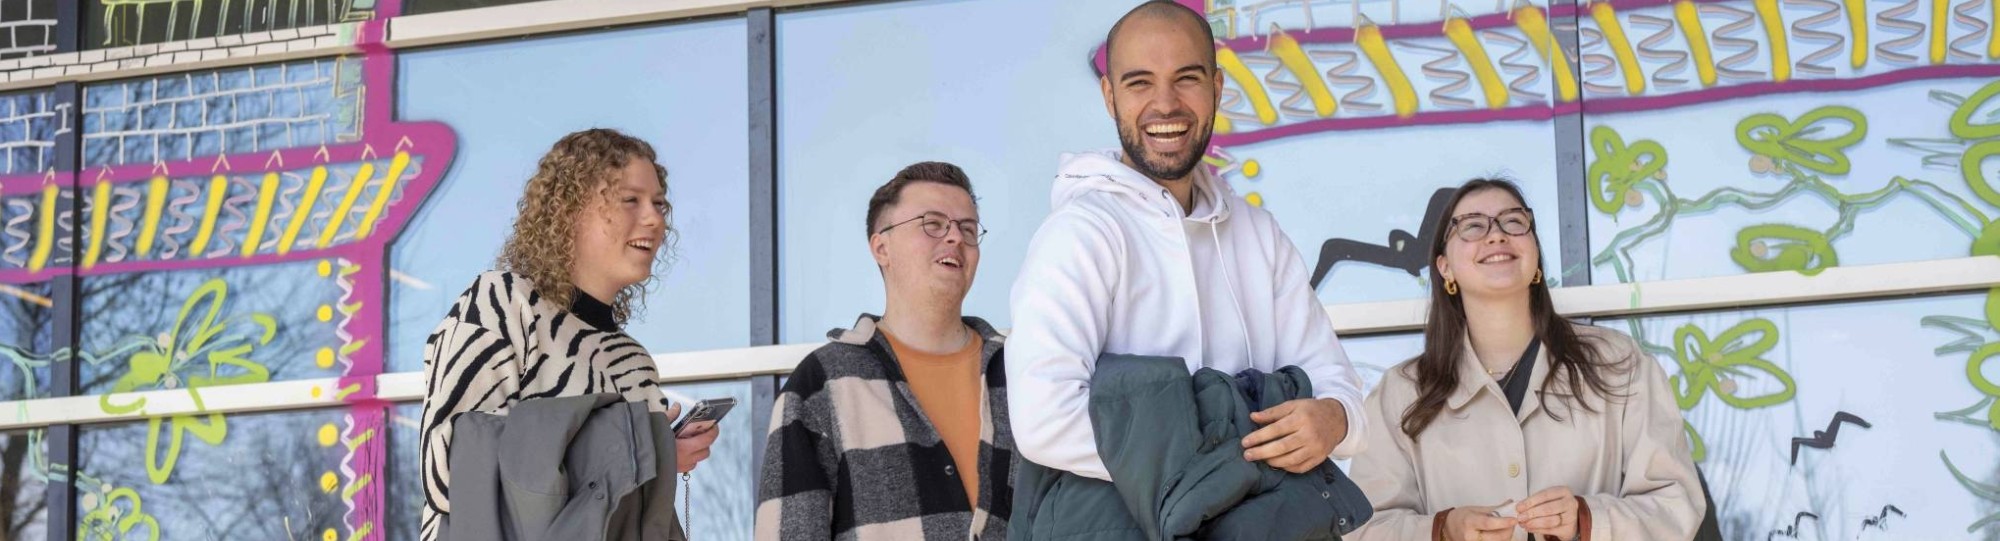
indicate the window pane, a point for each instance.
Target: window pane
{"x":1757,"y":387}
{"x":28,"y":123}
{"x":31,"y":28}
{"x":120,"y":23}
{"x":24,"y":456}
{"x":679,"y":87}
{"x":405,"y":493}
{"x":250,"y":476}
{"x":1345,"y":189}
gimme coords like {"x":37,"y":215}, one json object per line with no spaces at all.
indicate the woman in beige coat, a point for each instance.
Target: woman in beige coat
{"x":1514,"y":422}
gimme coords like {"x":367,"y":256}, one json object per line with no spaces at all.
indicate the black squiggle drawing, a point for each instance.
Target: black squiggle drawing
{"x":1881,"y":520}
{"x":1793,"y":530}
{"x":1403,"y":251}
{"x":1823,"y":439}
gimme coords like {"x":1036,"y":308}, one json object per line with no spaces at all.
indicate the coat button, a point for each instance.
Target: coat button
{"x":948,"y":470}
{"x":591,"y":485}
{"x":1513,"y":470}
{"x":599,"y":496}
{"x":1325,"y":495}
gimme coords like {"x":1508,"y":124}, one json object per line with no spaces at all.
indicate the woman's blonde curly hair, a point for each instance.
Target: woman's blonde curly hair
{"x":542,"y":247}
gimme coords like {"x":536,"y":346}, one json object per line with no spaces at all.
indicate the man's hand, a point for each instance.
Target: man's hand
{"x":1297,"y":435}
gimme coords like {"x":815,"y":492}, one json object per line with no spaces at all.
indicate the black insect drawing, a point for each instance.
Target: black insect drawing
{"x":1405,"y":252}
{"x":1881,"y":520}
{"x":1792,"y":531}
{"x":1823,"y":439}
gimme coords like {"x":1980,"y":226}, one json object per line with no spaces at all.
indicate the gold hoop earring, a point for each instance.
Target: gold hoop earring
{"x":1450,"y":287}
{"x":1538,"y":276}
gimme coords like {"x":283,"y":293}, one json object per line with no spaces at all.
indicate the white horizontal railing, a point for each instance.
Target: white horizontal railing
{"x":1351,"y":319}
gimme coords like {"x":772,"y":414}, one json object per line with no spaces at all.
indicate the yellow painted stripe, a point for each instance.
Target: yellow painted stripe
{"x":45,"y":234}
{"x":266,"y":194}
{"x":1940,"y":28}
{"x":1688,"y":16}
{"x":357,"y":485}
{"x":1460,"y":33}
{"x":1857,"y":33}
{"x":100,"y":209}
{"x":1232,"y":66}
{"x":361,"y":179}
{"x":396,"y":166}
{"x":314,"y":184}
{"x":1369,"y":38}
{"x":1293,"y":57}
{"x":362,"y":532}
{"x":1535,"y":25}
{"x":1222,"y":123}
{"x":218,"y":189}
{"x":156,"y":200}
{"x":1774,"y":32}
{"x":1621,"y":48}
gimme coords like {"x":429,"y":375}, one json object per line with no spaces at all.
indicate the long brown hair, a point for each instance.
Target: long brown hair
{"x":580,"y":166}
{"x":1436,"y":369}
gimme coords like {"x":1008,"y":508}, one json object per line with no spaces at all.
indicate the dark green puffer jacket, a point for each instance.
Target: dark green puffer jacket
{"x":1172,"y":442}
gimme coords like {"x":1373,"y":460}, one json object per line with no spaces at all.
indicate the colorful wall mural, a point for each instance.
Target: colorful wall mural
{"x":308,"y":219}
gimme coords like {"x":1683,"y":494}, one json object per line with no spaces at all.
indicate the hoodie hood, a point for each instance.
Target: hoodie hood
{"x":1083,"y":173}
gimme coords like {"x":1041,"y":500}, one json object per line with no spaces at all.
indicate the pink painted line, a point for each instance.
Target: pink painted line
{"x":1772,"y":88}
{"x":1531,"y":112}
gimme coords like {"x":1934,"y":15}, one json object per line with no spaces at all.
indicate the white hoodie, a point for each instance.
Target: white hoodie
{"x":1117,"y":268}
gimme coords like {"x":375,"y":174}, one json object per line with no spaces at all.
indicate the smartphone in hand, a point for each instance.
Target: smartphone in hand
{"x":703,"y":416}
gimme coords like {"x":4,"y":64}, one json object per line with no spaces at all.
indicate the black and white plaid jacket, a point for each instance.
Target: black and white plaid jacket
{"x":852,"y":457}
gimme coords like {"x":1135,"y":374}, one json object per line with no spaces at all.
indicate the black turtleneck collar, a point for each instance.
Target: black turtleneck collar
{"x":593,"y":311}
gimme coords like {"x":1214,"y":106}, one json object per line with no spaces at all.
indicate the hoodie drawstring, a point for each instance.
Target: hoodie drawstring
{"x":1230,"y":279}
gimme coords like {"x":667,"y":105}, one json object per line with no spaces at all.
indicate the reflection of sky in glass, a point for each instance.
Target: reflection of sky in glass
{"x":29,"y":517}
{"x":724,"y":497}
{"x":1873,"y":359}
{"x":262,"y":482}
{"x":125,"y":316}
{"x":924,"y":80}
{"x":27,"y":132}
{"x":678,"y":87}
{"x":186,"y":115}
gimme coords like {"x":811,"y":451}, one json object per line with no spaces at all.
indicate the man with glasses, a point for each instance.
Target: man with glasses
{"x":897,"y":429}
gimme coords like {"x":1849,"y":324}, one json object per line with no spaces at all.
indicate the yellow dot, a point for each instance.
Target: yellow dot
{"x":1255,"y":199}
{"x":315,"y":391}
{"x":328,"y":481}
{"x":1251,"y":168}
{"x":328,"y":435}
{"x":325,"y":268}
{"x":325,"y":313}
{"x":330,"y":535}
{"x":325,"y":358}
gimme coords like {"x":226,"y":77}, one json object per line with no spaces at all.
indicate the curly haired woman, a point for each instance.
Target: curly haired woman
{"x":592,"y":225}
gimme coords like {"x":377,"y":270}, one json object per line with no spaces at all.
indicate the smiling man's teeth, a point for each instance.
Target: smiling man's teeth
{"x":1164,"y":129}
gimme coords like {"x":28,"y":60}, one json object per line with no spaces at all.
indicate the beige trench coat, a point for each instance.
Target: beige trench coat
{"x":1629,"y":460}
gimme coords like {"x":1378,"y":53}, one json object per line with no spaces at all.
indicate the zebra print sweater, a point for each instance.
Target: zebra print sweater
{"x":503,"y":343}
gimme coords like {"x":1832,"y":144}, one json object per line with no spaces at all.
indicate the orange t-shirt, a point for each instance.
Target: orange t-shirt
{"x":949,"y":389}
